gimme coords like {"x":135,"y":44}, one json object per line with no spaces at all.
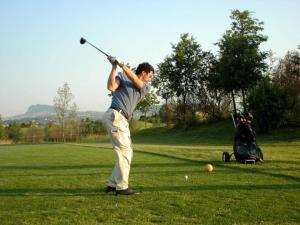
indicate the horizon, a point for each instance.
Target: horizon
{"x":41,"y":50}
{"x":38,"y":105}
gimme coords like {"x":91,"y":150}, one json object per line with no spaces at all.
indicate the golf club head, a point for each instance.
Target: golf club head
{"x":82,"y":40}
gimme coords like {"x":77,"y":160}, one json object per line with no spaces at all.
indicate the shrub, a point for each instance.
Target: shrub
{"x":14,"y":132}
{"x":268,"y":103}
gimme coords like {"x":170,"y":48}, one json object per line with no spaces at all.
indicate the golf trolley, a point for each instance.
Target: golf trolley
{"x":245,"y":148}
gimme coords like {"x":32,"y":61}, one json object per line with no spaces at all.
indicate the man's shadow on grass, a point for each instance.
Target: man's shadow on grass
{"x":55,"y":167}
{"x":229,"y":187}
{"x":69,"y":192}
{"x":221,"y":164}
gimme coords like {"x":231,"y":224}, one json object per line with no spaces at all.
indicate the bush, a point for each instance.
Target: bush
{"x":287,"y":75}
{"x":52,"y":133}
{"x":2,"y":131}
{"x":33,"y":134}
{"x":167,"y":114}
{"x":2,"y":134}
{"x":14,"y":132}
{"x":269,"y":103}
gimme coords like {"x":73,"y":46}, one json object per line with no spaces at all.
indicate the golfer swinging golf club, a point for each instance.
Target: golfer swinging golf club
{"x":127,"y":90}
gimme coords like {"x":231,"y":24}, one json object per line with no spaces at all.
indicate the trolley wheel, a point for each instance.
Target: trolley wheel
{"x":226,"y":157}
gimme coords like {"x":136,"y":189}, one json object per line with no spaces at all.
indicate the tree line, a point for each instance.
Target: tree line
{"x":197,"y":85}
{"x":66,"y":127}
{"x":51,"y":132}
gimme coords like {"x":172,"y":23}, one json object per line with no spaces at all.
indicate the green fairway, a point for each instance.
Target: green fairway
{"x":64,"y":183}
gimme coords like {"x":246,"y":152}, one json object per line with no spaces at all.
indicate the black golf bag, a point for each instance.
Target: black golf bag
{"x":245,"y":148}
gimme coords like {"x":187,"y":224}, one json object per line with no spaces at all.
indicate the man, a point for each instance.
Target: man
{"x":127,"y":90}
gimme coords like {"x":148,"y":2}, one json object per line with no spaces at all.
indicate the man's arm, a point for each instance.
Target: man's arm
{"x":128,"y":72}
{"x":132,"y":76}
{"x":112,"y":82}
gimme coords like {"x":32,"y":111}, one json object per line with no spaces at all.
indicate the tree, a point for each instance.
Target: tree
{"x":269,"y":103}
{"x":161,"y":81}
{"x":33,"y":134}
{"x":182,"y":74}
{"x":86,"y":126}
{"x":62,"y":105}
{"x":47,"y":136}
{"x":218,"y":105}
{"x":162,"y":84}
{"x":146,"y":103}
{"x":241,"y":64}
{"x":73,"y":126}
{"x":14,"y":132}
{"x":287,"y":74}
{"x":52,"y":132}
{"x":1,"y":129}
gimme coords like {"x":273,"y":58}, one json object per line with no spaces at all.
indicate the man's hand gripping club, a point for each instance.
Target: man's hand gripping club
{"x":115,"y":61}
{"x":129,"y":73}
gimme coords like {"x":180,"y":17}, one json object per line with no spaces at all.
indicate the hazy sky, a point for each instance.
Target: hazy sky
{"x":40,"y":48}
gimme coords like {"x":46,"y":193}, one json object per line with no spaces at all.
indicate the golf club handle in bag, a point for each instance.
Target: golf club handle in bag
{"x":233,"y":119}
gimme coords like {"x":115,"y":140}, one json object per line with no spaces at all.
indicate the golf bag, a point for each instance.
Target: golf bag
{"x":245,"y":148}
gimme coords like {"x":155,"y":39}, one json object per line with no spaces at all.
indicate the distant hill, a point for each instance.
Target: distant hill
{"x":40,"y":110}
{"x":44,"y":113}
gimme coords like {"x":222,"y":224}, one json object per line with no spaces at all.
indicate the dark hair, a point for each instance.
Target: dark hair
{"x":144,"y":67}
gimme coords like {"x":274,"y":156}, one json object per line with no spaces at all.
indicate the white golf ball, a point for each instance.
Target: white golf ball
{"x":186,"y":177}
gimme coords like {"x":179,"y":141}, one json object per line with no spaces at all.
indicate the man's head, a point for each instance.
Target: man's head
{"x":145,"y":71}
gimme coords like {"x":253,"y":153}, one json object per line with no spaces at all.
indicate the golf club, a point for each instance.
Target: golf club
{"x":83,"y":41}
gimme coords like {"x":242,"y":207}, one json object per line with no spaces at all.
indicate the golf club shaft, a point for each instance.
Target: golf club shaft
{"x":97,"y":48}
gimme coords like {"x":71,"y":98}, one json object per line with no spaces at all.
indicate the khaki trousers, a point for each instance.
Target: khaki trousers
{"x":118,"y":129}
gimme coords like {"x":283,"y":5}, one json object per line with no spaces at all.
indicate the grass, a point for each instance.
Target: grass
{"x":63,"y":183}
{"x":211,"y":133}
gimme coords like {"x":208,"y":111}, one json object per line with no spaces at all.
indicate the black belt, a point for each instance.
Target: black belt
{"x":120,"y":111}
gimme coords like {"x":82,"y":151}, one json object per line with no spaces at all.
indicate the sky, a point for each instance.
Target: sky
{"x":40,"y":48}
